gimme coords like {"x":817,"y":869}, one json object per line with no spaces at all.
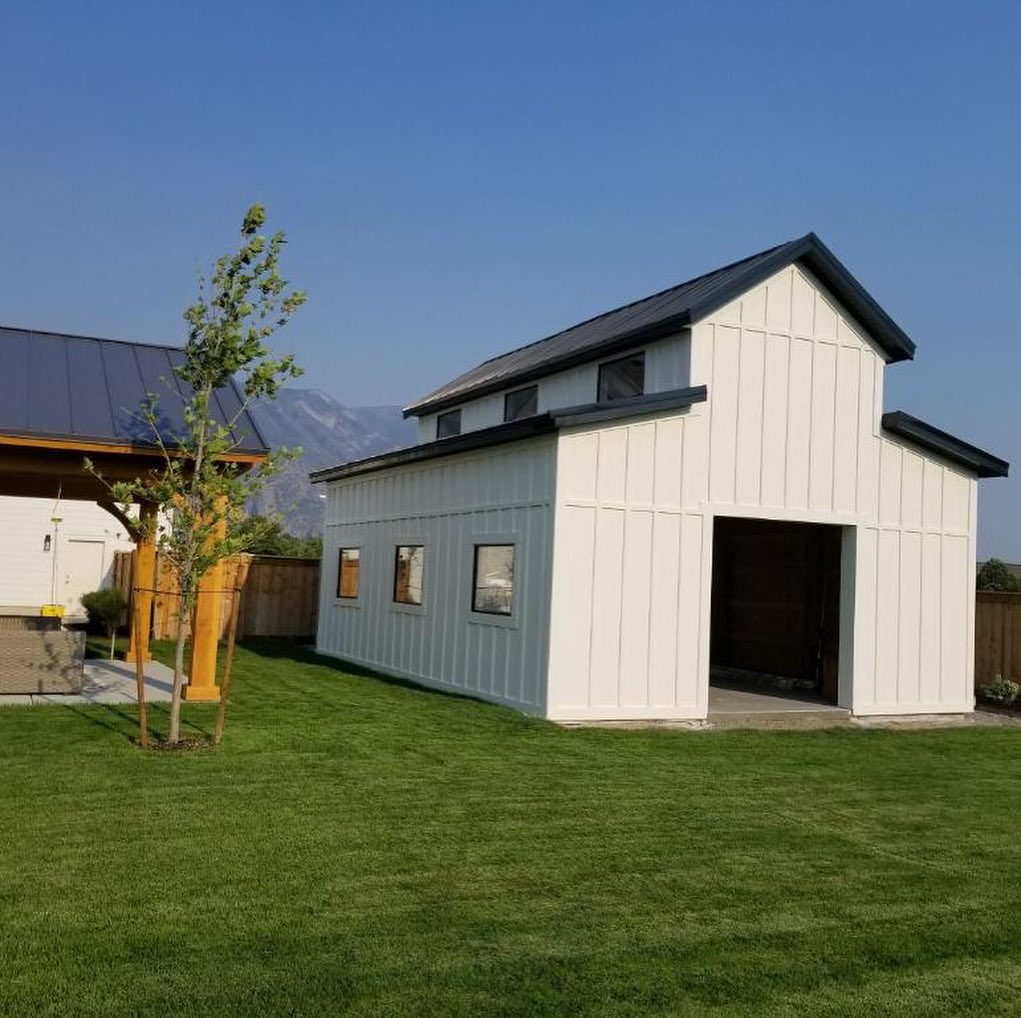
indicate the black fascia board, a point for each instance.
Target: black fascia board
{"x":527,"y":427}
{"x":983,"y":463}
{"x":630,"y":406}
{"x":816,"y":256}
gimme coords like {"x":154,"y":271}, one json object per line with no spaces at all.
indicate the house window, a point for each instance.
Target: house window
{"x":493,"y":583}
{"x":521,"y":403}
{"x":622,"y":378}
{"x":348,"y":572}
{"x":409,"y":565}
{"x":449,"y":424}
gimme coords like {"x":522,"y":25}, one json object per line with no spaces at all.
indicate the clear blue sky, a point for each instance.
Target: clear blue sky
{"x":460,"y":178}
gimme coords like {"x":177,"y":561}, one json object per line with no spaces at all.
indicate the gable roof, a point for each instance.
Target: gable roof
{"x":665,"y":313}
{"x":84,"y":389}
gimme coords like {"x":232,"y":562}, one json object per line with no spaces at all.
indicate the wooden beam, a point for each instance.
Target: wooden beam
{"x":84,"y":445}
{"x":130,"y":525}
{"x":206,"y":634}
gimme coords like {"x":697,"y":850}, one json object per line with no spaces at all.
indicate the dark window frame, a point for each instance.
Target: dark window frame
{"x":616,"y":362}
{"x":475,"y":578}
{"x":533,"y":390}
{"x":448,"y":415}
{"x":397,"y":562}
{"x":340,"y":574}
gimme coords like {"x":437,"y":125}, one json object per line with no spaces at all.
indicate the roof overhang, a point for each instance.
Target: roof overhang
{"x":87,"y":446}
{"x":931,"y":439}
{"x":515,"y":431}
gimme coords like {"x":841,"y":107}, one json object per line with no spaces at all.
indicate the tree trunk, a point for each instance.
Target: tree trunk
{"x":175,"y":700}
{"x":113,"y":641}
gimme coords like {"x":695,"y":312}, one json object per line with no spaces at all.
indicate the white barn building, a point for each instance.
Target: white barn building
{"x":698,"y":487}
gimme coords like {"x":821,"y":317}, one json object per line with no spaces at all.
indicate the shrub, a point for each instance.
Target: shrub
{"x":994,"y":575}
{"x":105,"y":608}
{"x":1000,"y":690}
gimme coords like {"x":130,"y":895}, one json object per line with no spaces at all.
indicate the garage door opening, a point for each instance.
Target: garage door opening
{"x":775,"y":612}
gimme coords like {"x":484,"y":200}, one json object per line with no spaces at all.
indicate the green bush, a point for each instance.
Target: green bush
{"x":105,"y":608}
{"x":994,"y":575}
{"x":1000,"y":690}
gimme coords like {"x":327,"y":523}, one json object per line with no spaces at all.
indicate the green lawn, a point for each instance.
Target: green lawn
{"x":357,"y":847}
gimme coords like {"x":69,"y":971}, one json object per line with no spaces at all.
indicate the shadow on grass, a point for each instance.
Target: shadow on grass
{"x":123,"y":720}
{"x":301,"y":653}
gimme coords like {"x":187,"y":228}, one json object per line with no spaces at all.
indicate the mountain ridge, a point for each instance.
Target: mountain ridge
{"x":328,"y":432}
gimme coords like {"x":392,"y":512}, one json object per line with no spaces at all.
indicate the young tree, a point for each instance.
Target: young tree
{"x":202,"y":489}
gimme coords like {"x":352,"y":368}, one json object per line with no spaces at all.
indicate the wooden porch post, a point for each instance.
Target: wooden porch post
{"x":145,"y":580}
{"x":206,"y":634}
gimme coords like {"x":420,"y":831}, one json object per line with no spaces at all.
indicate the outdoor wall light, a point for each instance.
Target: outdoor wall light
{"x":46,"y":543}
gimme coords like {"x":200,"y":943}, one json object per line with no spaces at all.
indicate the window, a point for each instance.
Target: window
{"x":409,"y":565}
{"x":449,"y":424}
{"x":521,"y":403}
{"x":348,"y":572}
{"x":493,"y":583}
{"x":622,"y":378}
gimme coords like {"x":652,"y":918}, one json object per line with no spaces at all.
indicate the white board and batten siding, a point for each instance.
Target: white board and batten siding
{"x":790,"y":431}
{"x":500,"y":495}
{"x":78,"y":558}
{"x":667,"y":367}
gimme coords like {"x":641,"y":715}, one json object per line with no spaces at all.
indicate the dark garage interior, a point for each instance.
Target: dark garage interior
{"x":776,"y":607}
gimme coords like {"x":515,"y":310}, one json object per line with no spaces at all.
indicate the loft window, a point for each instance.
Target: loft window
{"x":349,"y":570}
{"x":493,"y":582}
{"x":521,"y":403}
{"x":409,"y":566}
{"x":449,"y":424}
{"x":622,"y":378}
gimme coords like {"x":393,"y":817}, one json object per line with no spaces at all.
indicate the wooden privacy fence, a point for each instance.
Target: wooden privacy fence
{"x":997,"y":636}
{"x":279,"y":596}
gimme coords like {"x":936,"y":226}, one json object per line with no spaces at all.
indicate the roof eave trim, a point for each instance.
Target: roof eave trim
{"x":982,"y":463}
{"x":530,"y":427}
{"x":633,"y":406}
{"x":499,"y":434}
{"x":818,"y":258}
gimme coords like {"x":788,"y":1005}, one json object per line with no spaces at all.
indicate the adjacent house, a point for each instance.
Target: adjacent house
{"x":698,"y":487}
{"x":54,"y":550}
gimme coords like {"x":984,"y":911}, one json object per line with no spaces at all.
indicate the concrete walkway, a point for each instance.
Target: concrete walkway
{"x":105,"y":682}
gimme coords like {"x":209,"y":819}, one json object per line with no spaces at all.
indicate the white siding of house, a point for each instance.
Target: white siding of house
{"x":27,"y":574}
{"x":667,"y":366}
{"x":631,"y":562}
{"x":790,"y":431}
{"x":501,"y":494}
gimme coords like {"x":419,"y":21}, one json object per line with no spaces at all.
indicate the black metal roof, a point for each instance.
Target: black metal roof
{"x":82,"y":388}
{"x":528,"y":427}
{"x":927,"y":437}
{"x":665,"y":313}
